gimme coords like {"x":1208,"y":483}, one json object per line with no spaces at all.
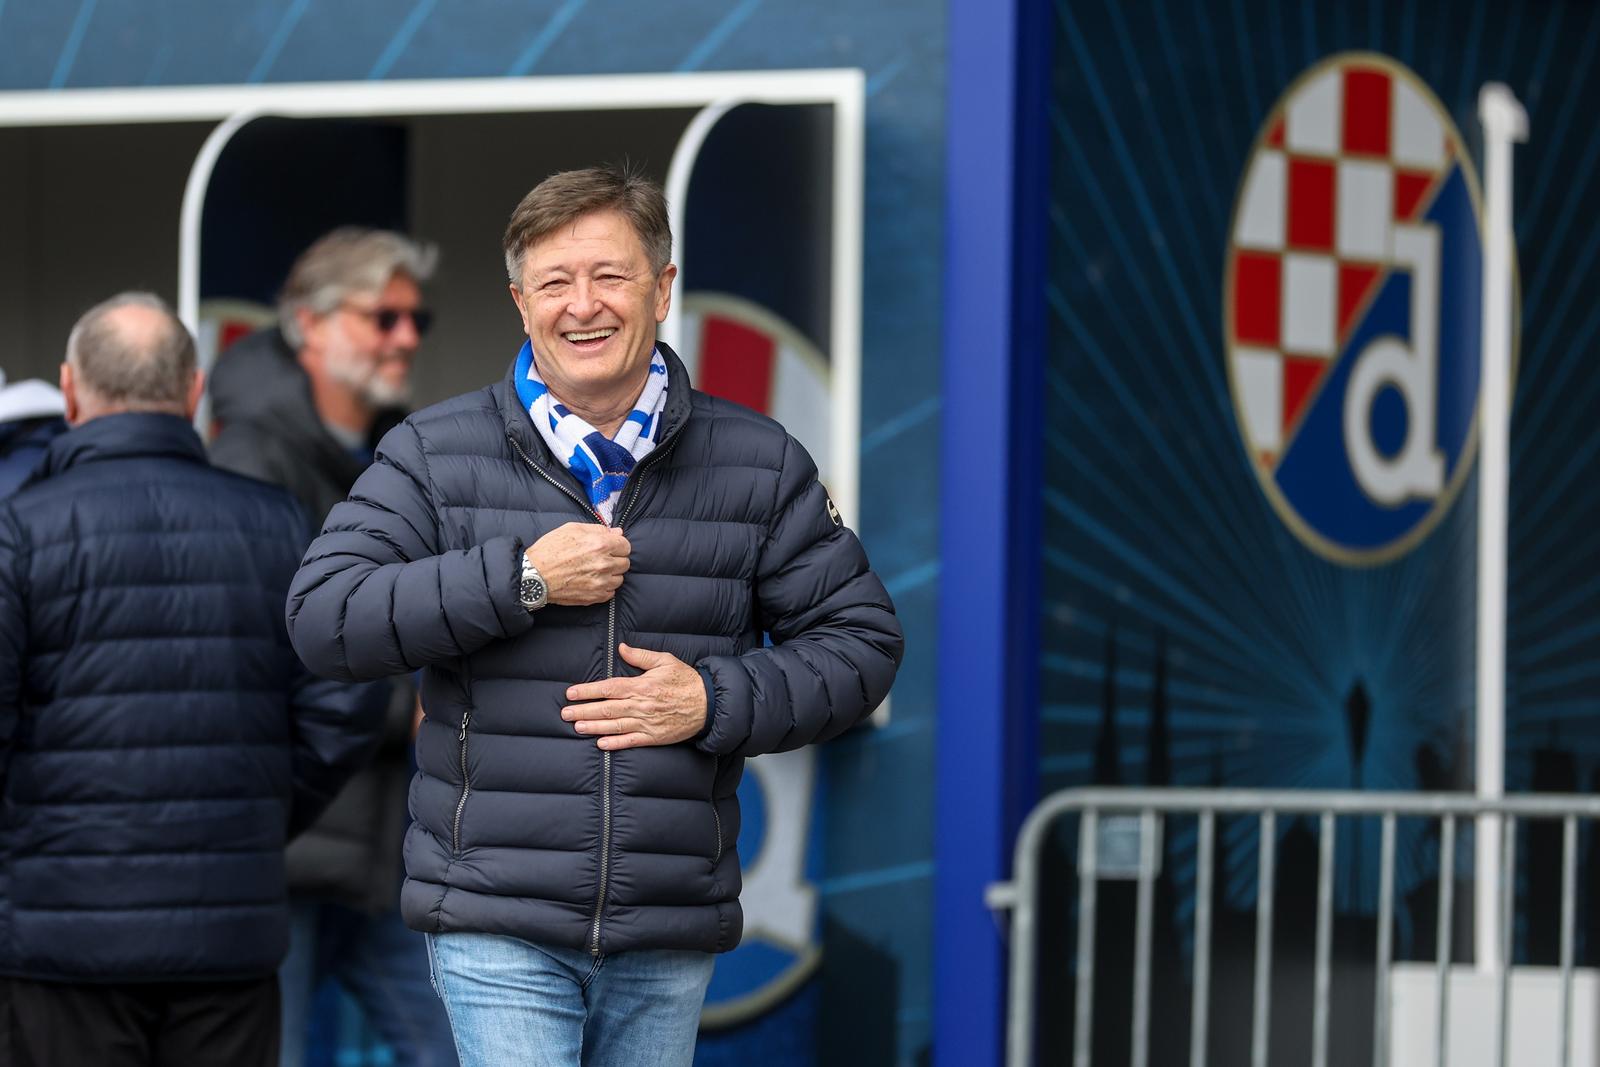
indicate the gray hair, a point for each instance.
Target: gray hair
{"x":351,"y":259}
{"x":134,"y":366}
{"x":566,"y":197}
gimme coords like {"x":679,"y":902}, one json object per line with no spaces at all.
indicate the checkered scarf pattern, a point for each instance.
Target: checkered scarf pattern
{"x":600,"y":464}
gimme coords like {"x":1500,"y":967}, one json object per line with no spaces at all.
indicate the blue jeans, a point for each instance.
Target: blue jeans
{"x":516,"y":1004}
{"x":379,"y":963}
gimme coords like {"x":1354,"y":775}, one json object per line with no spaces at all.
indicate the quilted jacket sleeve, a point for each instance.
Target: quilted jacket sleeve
{"x":375,"y":596}
{"x":336,"y":729}
{"x":13,"y":635}
{"x":836,"y":643}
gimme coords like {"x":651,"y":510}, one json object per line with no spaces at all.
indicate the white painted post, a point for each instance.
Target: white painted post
{"x":1504,"y":122}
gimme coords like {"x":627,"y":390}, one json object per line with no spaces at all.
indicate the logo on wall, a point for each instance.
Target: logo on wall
{"x":740,"y":351}
{"x":1352,"y":308}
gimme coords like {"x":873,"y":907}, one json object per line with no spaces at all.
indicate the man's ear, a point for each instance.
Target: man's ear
{"x":69,"y":393}
{"x":522,"y":308}
{"x":197,"y":388}
{"x":664,"y":291}
{"x":311,"y":326}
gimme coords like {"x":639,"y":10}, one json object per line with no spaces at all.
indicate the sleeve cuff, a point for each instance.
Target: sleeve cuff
{"x":711,"y":705}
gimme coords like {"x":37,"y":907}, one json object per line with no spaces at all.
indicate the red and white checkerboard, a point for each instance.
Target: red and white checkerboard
{"x":1351,"y":151}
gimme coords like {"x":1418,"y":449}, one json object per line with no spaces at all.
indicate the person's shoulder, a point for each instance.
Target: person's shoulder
{"x":466,"y":422}
{"x":479,"y":401}
{"x":246,"y":486}
{"x":250,"y":496}
{"x":734,"y":418}
{"x":733,"y":433}
{"x":250,"y":444}
{"x":188,"y":494}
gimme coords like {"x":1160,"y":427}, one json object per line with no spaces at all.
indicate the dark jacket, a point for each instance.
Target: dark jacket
{"x":22,"y":448}
{"x":522,"y":826}
{"x":159,"y":740}
{"x":30,"y":418}
{"x":270,"y":430}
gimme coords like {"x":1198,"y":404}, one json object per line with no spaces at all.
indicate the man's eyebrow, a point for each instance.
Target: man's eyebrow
{"x":604,"y":264}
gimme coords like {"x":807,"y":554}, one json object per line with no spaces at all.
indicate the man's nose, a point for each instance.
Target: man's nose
{"x":583,"y":303}
{"x":404,"y":335}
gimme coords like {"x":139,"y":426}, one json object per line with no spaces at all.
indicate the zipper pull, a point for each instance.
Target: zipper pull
{"x":462,"y":736}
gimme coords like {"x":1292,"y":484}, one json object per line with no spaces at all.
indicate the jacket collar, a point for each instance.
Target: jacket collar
{"x":679,"y":405}
{"x":123,"y":436}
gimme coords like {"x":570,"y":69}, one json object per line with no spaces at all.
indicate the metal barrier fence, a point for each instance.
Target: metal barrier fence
{"x":1150,"y":806}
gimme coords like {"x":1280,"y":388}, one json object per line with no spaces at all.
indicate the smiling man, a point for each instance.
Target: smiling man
{"x":588,"y":560}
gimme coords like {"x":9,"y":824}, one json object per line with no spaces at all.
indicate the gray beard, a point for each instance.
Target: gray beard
{"x":380,"y":393}
{"x":372,"y":388}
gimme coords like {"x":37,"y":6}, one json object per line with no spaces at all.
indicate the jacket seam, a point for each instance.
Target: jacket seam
{"x":184,"y":905}
{"x":182,"y":853}
{"x":55,"y":750}
{"x":114,"y":801}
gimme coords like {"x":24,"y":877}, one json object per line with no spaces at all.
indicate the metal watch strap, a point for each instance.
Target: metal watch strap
{"x":533,"y":591}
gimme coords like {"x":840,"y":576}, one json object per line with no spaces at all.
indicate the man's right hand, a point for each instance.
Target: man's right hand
{"x":581,"y":562}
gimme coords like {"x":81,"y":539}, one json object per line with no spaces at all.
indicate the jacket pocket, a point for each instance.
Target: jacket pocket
{"x":716,"y":816}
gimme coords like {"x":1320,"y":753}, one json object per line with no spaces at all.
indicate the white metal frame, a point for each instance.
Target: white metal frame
{"x":234,"y":106}
{"x":1504,"y":123}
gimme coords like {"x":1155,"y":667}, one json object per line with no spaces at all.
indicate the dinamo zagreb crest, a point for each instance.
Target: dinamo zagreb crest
{"x":1352,"y":308}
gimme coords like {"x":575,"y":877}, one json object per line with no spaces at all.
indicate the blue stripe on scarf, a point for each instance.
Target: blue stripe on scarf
{"x":600,"y":464}
{"x":528,"y":389}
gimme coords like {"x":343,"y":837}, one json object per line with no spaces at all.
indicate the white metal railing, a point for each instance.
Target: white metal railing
{"x":1151,"y":807}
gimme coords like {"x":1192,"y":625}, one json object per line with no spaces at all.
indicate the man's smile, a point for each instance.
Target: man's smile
{"x":588,"y":340}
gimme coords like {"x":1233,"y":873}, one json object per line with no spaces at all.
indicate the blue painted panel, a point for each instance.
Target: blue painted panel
{"x":989,"y":525}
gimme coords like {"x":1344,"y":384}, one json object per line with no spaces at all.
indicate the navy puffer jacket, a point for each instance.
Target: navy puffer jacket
{"x":522,"y":826}
{"x":159,"y":741}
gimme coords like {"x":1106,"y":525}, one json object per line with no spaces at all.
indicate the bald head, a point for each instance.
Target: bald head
{"x":129,"y":353}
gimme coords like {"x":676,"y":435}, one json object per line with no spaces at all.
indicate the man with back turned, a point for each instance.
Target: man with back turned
{"x":159,"y":739}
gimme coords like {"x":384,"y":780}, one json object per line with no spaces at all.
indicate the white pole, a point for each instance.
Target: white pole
{"x":194,"y":203}
{"x":1504,"y":122}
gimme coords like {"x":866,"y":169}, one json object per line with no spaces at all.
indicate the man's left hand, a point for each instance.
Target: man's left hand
{"x":664,"y":705}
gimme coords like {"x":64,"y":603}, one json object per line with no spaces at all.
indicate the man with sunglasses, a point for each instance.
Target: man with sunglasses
{"x":302,"y":404}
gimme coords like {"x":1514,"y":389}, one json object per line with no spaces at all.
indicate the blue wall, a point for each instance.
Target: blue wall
{"x":1189,"y":638}
{"x":877,"y":886}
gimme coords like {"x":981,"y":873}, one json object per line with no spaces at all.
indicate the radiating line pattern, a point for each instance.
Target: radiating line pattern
{"x":1159,"y":544}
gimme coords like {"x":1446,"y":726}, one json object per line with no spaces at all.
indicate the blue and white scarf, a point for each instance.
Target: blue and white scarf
{"x":600,"y":464}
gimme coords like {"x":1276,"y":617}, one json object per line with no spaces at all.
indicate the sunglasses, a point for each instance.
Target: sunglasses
{"x":386,"y":319}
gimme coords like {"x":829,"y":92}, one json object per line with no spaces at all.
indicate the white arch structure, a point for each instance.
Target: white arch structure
{"x":714,"y":94}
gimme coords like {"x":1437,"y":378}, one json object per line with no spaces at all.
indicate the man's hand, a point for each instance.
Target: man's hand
{"x":581,"y":562}
{"x":664,"y":705}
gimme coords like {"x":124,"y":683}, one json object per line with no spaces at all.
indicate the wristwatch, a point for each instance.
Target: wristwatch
{"x":535,"y":594}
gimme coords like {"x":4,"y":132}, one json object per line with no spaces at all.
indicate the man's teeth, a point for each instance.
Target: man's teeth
{"x":588,"y":335}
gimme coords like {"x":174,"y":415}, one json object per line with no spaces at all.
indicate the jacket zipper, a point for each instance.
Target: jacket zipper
{"x":716,"y":816}
{"x":466,"y":786}
{"x":541,"y":472}
{"x":636,"y":478}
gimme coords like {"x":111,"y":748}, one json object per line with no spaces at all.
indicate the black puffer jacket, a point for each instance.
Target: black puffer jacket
{"x":261,"y":399}
{"x":523,"y":827}
{"x":158,"y":737}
